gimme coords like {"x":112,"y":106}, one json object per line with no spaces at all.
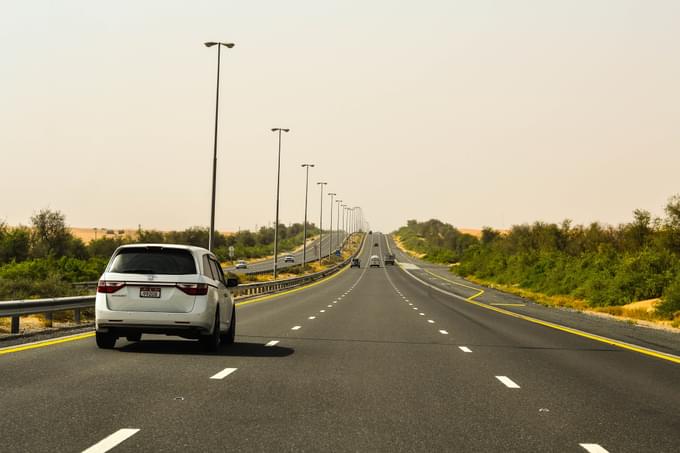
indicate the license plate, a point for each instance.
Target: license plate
{"x":150,"y":292}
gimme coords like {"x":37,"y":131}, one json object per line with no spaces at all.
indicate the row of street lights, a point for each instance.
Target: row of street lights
{"x":354,"y":214}
{"x":349,"y":226}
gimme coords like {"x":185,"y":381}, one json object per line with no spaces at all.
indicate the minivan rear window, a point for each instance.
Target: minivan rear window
{"x":153,"y":260}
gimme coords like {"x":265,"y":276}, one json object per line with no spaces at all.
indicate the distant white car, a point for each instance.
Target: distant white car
{"x":241,"y":265}
{"x":164,"y":289}
{"x":289,"y":259}
{"x":374,"y":261}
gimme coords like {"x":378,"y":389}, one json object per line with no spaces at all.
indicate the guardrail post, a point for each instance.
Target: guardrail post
{"x":48,"y":318}
{"x":76,"y":315}
{"x":15,"y":324}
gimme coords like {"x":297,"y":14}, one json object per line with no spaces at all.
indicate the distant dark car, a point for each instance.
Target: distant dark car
{"x":375,"y":244}
{"x":388,"y":259}
{"x":370,"y":232}
{"x":355,"y":262}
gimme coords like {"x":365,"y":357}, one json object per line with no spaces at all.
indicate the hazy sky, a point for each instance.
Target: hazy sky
{"x":473,"y":112}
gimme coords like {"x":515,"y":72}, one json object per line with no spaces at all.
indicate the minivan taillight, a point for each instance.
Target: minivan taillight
{"x":109,"y":287}
{"x":194,"y":289}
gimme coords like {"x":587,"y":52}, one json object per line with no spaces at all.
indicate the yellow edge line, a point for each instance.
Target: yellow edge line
{"x":481,"y":291}
{"x":294,"y":290}
{"x":283,"y":293}
{"x":609,"y":341}
{"x":509,"y":305}
{"x":43,"y":344}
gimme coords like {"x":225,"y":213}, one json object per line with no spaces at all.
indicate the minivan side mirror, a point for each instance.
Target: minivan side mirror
{"x":231,"y":282}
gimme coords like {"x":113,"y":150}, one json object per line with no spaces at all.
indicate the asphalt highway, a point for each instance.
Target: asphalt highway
{"x":368,"y":360}
{"x":312,"y":255}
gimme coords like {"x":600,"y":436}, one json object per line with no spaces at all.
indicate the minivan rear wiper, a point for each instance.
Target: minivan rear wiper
{"x":137,"y":271}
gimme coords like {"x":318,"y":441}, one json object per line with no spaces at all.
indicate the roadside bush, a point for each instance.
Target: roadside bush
{"x":670,"y":302}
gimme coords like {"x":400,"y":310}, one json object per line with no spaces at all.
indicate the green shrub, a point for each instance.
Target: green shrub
{"x":670,"y":302}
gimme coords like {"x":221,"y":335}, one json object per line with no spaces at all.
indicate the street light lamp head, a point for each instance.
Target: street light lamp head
{"x":276,"y":129}
{"x":322,"y":183}
{"x":307,"y":165}
{"x":228,"y":45}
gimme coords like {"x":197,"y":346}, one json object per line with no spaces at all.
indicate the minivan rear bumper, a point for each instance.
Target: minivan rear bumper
{"x":199,"y":321}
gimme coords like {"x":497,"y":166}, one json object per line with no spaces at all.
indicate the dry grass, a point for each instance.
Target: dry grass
{"x":33,"y":323}
{"x":88,"y":234}
{"x":643,"y":312}
{"x":401,"y":245}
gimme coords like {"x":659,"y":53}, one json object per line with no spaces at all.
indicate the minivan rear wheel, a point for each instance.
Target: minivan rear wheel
{"x":228,"y":338}
{"x":105,"y":340}
{"x":211,"y":341}
{"x":134,"y":337}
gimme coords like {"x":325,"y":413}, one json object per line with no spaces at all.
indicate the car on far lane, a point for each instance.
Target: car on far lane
{"x":356,"y":262}
{"x":374,"y":261}
{"x":388,"y":259}
{"x":289,"y":259}
{"x":241,"y":265}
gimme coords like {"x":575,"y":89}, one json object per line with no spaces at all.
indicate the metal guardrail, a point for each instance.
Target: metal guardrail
{"x":281,"y":269}
{"x":17,"y":308}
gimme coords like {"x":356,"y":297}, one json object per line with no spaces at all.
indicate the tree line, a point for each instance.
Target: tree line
{"x":604,"y":265}
{"x":43,"y":259}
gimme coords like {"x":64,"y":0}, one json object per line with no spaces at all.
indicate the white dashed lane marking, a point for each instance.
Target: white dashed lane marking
{"x":421,"y":314}
{"x":312,"y":317}
{"x":509,"y":383}
{"x":443,"y":332}
{"x":430,"y":321}
{"x":464,"y":348}
{"x":296,"y":328}
{"x":322,"y":311}
{"x":111,"y":441}
{"x":272,"y":343}
{"x":224,"y":373}
{"x":593,"y":448}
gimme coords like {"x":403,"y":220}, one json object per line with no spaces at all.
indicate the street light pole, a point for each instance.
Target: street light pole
{"x":321,"y":184}
{"x":276,"y":223}
{"x":211,"y":234}
{"x":344,"y":225}
{"x":337,"y":223}
{"x":330,"y":234}
{"x":304,"y":227}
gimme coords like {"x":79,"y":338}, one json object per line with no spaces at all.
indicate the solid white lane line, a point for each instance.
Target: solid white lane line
{"x":464,"y":349}
{"x":296,"y":328}
{"x":430,"y":321}
{"x":111,"y":441}
{"x":593,"y":448}
{"x":312,"y":317}
{"x":443,"y":332}
{"x":272,"y":343}
{"x":224,"y":373}
{"x":509,"y":383}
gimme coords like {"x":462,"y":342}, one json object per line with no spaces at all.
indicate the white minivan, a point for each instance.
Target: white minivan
{"x":164,"y":289}
{"x":374,"y":261}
